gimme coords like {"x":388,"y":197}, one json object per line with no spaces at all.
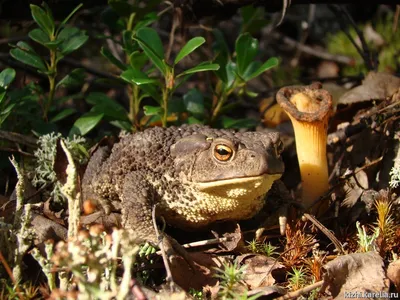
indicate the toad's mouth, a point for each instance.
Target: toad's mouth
{"x":263,"y":182}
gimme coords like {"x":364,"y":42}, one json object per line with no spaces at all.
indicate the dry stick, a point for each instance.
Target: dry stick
{"x":305,"y":290}
{"x":161,"y":245}
{"x":76,"y":64}
{"x":305,"y":33}
{"x":312,"y":51}
{"x":201,"y":243}
{"x":7,"y":268}
{"x":396,"y":19}
{"x":6,"y":149}
{"x":330,"y":236}
{"x":175,"y":24}
{"x":342,"y":134}
{"x":18,"y":138}
{"x":137,"y":290}
{"x":364,"y":52}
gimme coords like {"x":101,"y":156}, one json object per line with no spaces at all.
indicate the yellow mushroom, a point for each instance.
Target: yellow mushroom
{"x":309,"y":108}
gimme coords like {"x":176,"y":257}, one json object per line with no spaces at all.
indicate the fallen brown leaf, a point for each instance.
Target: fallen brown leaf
{"x":234,"y":237}
{"x":355,"y":274}
{"x":375,"y":86}
{"x":260,"y":270}
{"x":393,"y":273}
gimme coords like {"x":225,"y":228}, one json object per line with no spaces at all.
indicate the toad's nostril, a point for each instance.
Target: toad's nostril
{"x":252,"y":156}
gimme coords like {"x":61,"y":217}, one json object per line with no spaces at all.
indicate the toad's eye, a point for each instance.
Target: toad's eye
{"x":223,"y":152}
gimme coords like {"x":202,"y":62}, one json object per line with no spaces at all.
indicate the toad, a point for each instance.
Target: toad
{"x":195,"y":175}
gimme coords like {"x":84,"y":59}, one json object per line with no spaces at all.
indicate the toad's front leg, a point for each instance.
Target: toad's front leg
{"x":138,"y":198}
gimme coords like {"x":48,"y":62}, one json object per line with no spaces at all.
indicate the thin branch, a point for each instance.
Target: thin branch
{"x":18,"y":138}
{"x":344,"y":17}
{"x":298,"y":293}
{"x":76,"y":64}
{"x":312,"y":51}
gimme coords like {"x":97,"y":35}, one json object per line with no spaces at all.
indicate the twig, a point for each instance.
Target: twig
{"x":161,"y":246}
{"x":137,"y":290}
{"x":76,"y":64}
{"x":175,"y":23}
{"x":298,"y":293}
{"x":201,"y":243}
{"x":324,"y":230}
{"x":6,"y":149}
{"x":7,"y":268}
{"x":396,"y":19}
{"x":18,"y":138}
{"x":305,"y":32}
{"x":13,"y":39}
{"x":343,"y":15}
{"x":312,"y":51}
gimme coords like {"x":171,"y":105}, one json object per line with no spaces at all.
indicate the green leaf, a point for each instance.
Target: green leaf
{"x":73,"y":39}
{"x":137,"y":77}
{"x":252,"y":67}
{"x":6,"y":112}
{"x":73,"y":79}
{"x":63,"y":114}
{"x":43,"y":19}
{"x":112,"y":59}
{"x":129,"y":45}
{"x":230,"y":74}
{"x":6,"y":77}
{"x":151,"y":90}
{"x":69,"y":16}
{"x":152,"y":39}
{"x":270,"y":63}
{"x":228,"y":122}
{"x":246,"y":51}
{"x":222,"y":60}
{"x":221,"y":46}
{"x":176,"y":106}
{"x":194,"y":102}
{"x":152,"y":110}
{"x":148,"y":19}
{"x":202,"y":67}
{"x":25,"y":54}
{"x":110,"y":108}
{"x":193,"y":120}
{"x":138,"y":60}
{"x":127,"y":126}
{"x":86,"y":123}
{"x":190,"y":46}
{"x":253,"y":19}
{"x":53,"y":45}
{"x":2,"y":96}
{"x":39,"y":36}
{"x":151,"y":44}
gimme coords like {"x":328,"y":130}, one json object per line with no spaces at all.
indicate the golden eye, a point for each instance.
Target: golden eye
{"x":223,"y":152}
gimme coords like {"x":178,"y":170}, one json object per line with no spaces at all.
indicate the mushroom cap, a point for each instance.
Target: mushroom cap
{"x":314,"y":91}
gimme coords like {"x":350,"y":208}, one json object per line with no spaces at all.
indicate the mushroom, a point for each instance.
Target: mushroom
{"x":309,"y":108}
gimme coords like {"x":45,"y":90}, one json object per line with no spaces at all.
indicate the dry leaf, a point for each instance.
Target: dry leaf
{"x":260,"y":270}
{"x":393,"y":273}
{"x":355,"y":274}
{"x":201,"y":275}
{"x":354,"y":187}
{"x":273,"y":114}
{"x":375,"y":86}
{"x":232,"y":232}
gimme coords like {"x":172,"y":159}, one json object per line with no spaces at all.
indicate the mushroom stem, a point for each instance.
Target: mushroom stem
{"x":309,"y":108}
